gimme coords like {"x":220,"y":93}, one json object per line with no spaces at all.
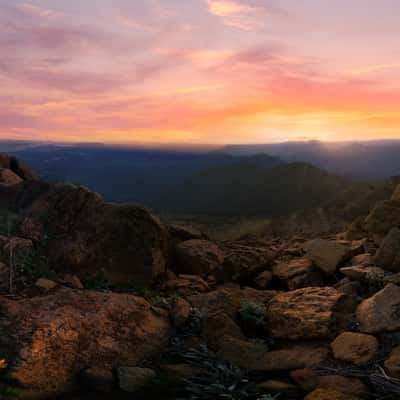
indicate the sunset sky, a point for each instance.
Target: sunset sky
{"x":199,"y":71}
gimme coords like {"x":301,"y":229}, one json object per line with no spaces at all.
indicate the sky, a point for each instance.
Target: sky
{"x":199,"y":71}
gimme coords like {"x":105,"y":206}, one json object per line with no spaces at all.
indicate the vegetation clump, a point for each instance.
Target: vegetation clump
{"x":252,"y":312}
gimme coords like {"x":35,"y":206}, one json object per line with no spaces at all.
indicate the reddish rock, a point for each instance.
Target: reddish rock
{"x":243,"y":262}
{"x":91,"y":238}
{"x":49,"y":340}
{"x":392,"y":364}
{"x":356,"y":348}
{"x":330,"y":394}
{"x":298,"y":273}
{"x":309,"y":313}
{"x":381,"y":312}
{"x":180,"y":312}
{"x":328,"y":255}
{"x":199,"y":257}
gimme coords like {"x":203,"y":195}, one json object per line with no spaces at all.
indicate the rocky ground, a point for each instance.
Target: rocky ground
{"x":107,"y":299}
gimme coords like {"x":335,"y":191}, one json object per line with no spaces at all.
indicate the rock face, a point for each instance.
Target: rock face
{"x":50,"y":339}
{"x":199,"y":257}
{"x":381,"y":312}
{"x":356,"y":348}
{"x":326,"y":254}
{"x":388,"y":255}
{"x":88,"y":237}
{"x":310,"y":313}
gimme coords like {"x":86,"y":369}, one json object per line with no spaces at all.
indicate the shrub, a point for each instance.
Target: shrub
{"x":252,"y":312}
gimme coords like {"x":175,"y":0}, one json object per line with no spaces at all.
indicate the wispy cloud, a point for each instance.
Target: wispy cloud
{"x":373,"y":68}
{"x":237,"y":14}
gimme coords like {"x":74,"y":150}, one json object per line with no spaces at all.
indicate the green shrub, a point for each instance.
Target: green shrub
{"x":252,"y":312}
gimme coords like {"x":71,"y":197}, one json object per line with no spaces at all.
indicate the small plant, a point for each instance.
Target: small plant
{"x":100,"y":284}
{"x":219,"y":379}
{"x":252,"y":312}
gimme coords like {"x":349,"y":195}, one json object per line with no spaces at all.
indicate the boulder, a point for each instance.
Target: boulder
{"x":186,"y":285}
{"x":328,"y":255}
{"x":180,"y":312}
{"x":388,"y":254}
{"x":392,"y":364}
{"x":381,"y":312}
{"x":367,"y":274}
{"x":263,"y":279}
{"x":49,"y":340}
{"x":309,"y":313}
{"x":278,"y":386}
{"x":306,"y":378}
{"x":348,"y":386}
{"x":181,"y":233}
{"x":298,"y":273}
{"x":132,"y":379}
{"x":45,"y":284}
{"x":199,"y":257}
{"x":356,"y":348}
{"x":257,"y":357}
{"x":384,"y":216}
{"x":91,"y":238}
{"x":9,"y":178}
{"x":244,"y":262}
{"x":330,"y":394}
{"x":229,"y":300}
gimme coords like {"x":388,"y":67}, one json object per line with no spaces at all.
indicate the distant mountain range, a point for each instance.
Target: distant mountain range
{"x":234,"y":180}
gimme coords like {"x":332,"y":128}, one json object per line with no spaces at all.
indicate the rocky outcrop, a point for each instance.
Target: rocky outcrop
{"x":88,"y":237}
{"x":9,"y":178}
{"x":49,"y":340}
{"x":17,"y":167}
{"x":310,"y":313}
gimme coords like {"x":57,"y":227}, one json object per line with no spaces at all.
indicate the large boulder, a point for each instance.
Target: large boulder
{"x":199,"y":257}
{"x":388,"y":254}
{"x":328,"y":255}
{"x":309,"y":313}
{"x":357,"y":348}
{"x":89,"y":237}
{"x":298,"y":273}
{"x":243,"y":262}
{"x":49,"y":340}
{"x":381,"y":312}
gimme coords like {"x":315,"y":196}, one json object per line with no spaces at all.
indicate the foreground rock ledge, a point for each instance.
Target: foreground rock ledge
{"x":49,"y":340}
